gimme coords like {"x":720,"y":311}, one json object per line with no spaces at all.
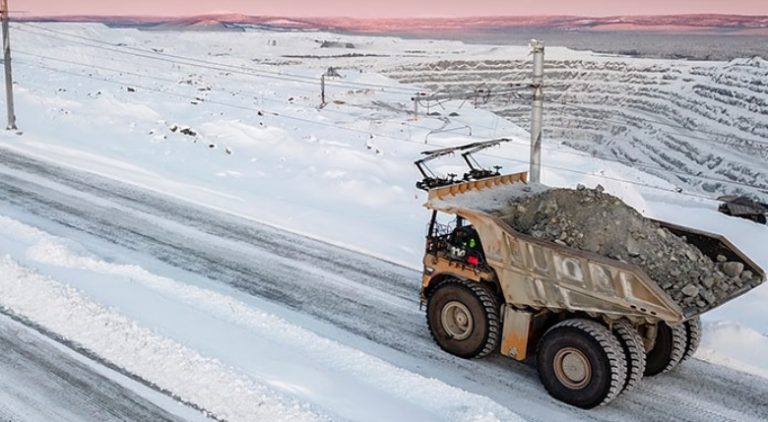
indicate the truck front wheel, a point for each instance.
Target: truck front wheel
{"x":463,"y":318}
{"x":581,"y":363}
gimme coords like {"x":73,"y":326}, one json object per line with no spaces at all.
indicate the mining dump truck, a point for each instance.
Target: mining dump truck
{"x":593,"y":325}
{"x":744,"y":207}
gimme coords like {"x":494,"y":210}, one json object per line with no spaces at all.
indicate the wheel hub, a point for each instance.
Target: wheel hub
{"x":457,"y":320}
{"x":572,"y":368}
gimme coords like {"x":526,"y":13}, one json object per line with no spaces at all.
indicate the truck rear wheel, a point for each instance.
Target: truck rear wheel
{"x":668,"y":351}
{"x":693,"y":332}
{"x":581,"y":363}
{"x":634,"y":352}
{"x":463,"y":318}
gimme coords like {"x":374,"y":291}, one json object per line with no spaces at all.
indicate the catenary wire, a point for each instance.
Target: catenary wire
{"x":383,"y":136}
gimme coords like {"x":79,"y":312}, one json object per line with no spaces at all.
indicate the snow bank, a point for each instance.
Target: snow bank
{"x":731,"y":344}
{"x":160,"y":361}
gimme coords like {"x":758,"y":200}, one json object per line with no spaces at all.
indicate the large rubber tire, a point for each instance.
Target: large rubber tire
{"x":693,"y":337}
{"x":668,"y":350}
{"x":463,"y":318}
{"x":581,"y":363}
{"x":634,"y":352}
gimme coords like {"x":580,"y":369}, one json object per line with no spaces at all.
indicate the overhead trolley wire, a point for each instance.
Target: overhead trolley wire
{"x":282,"y":76}
{"x":629,"y":163}
{"x":172,"y":61}
{"x":670,"y":125}
{"x":511,"y":91}
{"x":222,"y":103}
{"x":192,"y":61}
{"x":176,"y":82}
{"x":731,"y":140}
{"x":378,"y":135}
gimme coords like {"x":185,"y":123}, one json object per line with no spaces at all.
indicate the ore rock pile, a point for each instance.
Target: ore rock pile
{"x":593,"y":221}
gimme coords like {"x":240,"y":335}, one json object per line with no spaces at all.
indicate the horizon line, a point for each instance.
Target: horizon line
{"x":388,"y":18}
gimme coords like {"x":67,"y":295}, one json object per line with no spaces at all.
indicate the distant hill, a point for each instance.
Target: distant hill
{"x":729,"y":24}
{"x":200,"y":22}
{"x":720,"y":24}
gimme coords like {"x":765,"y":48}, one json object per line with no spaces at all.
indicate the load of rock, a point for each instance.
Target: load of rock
{"x":594,"y":221}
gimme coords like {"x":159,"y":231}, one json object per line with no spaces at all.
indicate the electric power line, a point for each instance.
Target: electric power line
{"x":378,"y":135}
{"x":160,"y":58}
{"x":625,"y":162}
{"x":176,"y":82}
{"x":670,"y":125}
{"x":747,"y":143}
{"x":191,"y":61}
{"x":215,"y":66}
{"x":264,"y":111}
{"x":312,"y":81}
{"x":629,"y":163}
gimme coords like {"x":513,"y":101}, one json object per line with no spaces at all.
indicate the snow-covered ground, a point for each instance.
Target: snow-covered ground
{"x":103,"y":228}
{"x":294,"y":366}
{"x":41,"y":380}
{"x":230,"y":130}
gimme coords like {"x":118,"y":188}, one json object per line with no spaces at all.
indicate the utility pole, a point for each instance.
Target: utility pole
{"x":537,"y":48}
{"x":322,"y":90}
{"x":8,"y":73}
{"x":415,"y":100}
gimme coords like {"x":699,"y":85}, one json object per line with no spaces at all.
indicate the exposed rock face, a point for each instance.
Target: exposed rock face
{"x":590,"y":220}
{"x":597,"y":103}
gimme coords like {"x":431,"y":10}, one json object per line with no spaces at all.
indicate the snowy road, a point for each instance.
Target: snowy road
{"x":42,"y":381}
{"x":373,"y":300}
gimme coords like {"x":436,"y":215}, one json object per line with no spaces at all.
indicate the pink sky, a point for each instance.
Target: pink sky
{"x":392,"y":8}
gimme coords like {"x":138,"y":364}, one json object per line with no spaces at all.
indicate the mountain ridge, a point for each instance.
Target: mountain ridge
{"x":690,"y":23}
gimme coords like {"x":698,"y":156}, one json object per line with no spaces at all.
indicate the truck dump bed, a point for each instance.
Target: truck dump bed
{"x":539,"y":274}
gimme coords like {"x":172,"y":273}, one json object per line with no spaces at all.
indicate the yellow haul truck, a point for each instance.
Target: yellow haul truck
{"x":595,"y":326}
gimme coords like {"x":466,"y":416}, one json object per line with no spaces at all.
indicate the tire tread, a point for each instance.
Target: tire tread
{"x":679,"y":344}
{"x":490,"y":305}
{"x":634,"y":352}
{"x":693,"y":331}
{"x":612,"y":348}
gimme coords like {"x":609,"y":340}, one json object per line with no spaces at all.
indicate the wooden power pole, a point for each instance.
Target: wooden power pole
{"x":322,"y":91}
{"x":8,"y":72}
